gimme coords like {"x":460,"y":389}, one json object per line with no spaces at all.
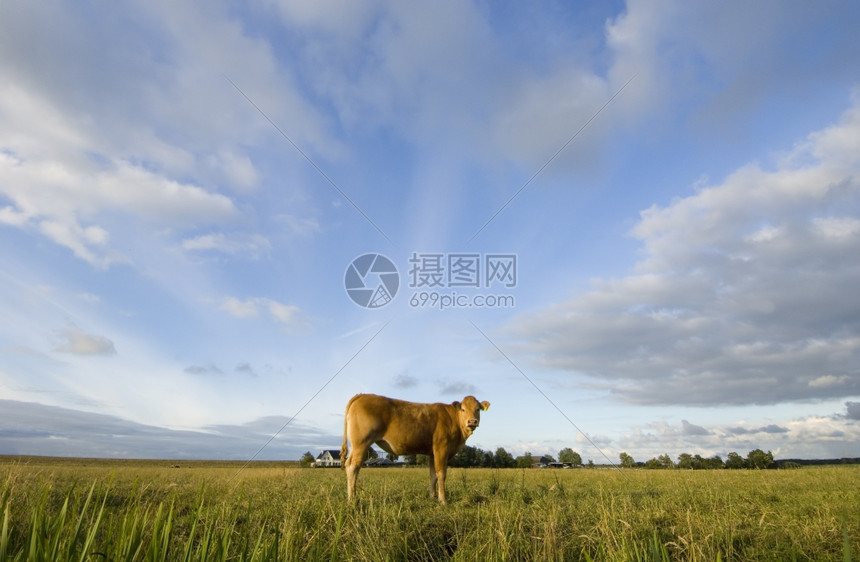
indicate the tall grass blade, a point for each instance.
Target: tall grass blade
{"x":4,"y":531}
{"x":94,"y":526}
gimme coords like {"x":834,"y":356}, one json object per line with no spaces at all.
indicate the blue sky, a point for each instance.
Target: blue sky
{"x":183,"y":187}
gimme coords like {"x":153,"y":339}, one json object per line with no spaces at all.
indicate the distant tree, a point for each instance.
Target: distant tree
{"x":626,"y":461}
{"x":489,"y":460}
{"x":661,"y":462}
{"x":569,"y":456}
{"x":525,"y":461}
{"x":392,"y":457}
{"x":410,"y":460}
{"x":685,"y":460}
{"x":468,"y":456}
{"x":504,"y":459}
{"x":735,"y":461}
{"x":590,"y":463}
{"x":698,"y":462}
{"x":307,"y":460}
{"x":565,"y":455}
{"x":371,"y":454}
{"x":759,"y":459}
{"x":715,"y":462}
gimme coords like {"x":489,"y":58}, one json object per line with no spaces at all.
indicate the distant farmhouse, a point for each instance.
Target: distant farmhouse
{"x":329,"y":457}
{"x":542,"y":461}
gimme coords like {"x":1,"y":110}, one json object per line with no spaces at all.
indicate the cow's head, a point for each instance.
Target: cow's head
{"x":469,"y":411}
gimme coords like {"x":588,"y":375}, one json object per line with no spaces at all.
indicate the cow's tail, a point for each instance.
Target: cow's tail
{"x":344,"y":449}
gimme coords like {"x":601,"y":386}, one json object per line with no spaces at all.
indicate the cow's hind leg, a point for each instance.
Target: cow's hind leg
{"x":351,"y":477}
{"x":352,"y":466}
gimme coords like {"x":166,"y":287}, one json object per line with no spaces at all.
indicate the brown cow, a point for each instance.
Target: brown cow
{"x":407,"y":428}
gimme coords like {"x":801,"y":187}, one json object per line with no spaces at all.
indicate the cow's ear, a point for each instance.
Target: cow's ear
{"x":456,"y":404}
{"x":485,"y":405}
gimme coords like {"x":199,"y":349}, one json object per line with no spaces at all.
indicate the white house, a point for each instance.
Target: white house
{"x":329,"y":457}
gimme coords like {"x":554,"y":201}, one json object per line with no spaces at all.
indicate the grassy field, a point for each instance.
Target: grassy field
{"x":145,"y":510}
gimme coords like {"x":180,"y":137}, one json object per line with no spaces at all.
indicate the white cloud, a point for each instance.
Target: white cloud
{"x":67,"y":201}
{"x":828,"y":380}
{"x":238,"y":169}
{"x":439,"y":73}
{"x":159,"y":199}
{"x":251,"y":308}
{"x":843,"y":228}
{"x":248,"y":245}
{"x":720,"y":60}
{"x":301,"y":226}
{"x":34,"y":126}
{"x":85,"y":242}
{"x":203,"y":370}
{"x":544,"y":112}
{"x":803,"y":437}
{"x":284,"y":313}
{"x":824,"y":429}
{"x":745,"y":292}
{"x":77,"y":342}
{"x":145,"y":131}
{"x":240,"y":309}
{"x":338,"y":17}
{"x":9,"y":216}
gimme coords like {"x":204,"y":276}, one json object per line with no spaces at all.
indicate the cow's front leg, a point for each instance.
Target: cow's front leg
{"x":432,"y":466}
{"x":441,"y":466}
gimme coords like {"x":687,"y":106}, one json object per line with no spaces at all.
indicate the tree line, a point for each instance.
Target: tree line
{"x":478,"y":458}
{"x":500,"y":458}
{"x":475,"y":457}
{"x":755,"y":459}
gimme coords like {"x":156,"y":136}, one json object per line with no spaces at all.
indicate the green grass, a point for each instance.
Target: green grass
{"x":143,"y":510}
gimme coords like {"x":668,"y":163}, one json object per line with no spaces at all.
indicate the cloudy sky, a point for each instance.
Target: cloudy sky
{"x":629,"y":226}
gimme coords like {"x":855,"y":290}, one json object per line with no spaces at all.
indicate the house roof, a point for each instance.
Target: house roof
{"x":334,"y":453}
{"x":380,"y":461}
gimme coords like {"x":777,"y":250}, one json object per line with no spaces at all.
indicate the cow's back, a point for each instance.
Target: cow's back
{"x":401,"y":427}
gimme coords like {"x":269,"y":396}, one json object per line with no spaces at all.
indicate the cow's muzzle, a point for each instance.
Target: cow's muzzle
{"x":472,"y":424}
